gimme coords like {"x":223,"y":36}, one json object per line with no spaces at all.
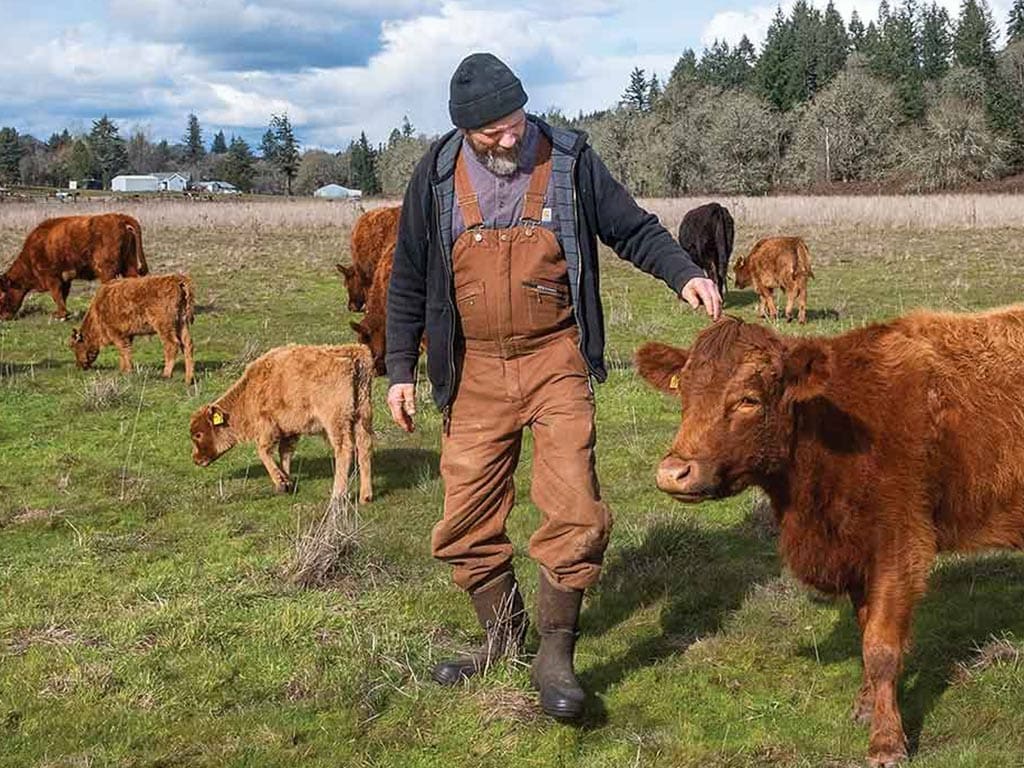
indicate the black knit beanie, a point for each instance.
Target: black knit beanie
{"x":482,"y":90}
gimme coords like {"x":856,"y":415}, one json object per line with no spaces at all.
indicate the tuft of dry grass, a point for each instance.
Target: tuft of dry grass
{"x":996,"y":652}
{"x":105,"y":391}
{"x":506,"y":703}
{"x":329,"y":541}
{"x":54,"y":636}
{"x":760,"y":520}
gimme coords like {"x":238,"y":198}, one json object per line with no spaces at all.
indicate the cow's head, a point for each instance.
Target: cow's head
{"x":742,"y":271}
{"x":11,"y":297}
{"x":372,"y":333}
{"x":85,"y":353}
{"x":737,"y":385}
{"x":210,"y":430}
{"x":355,"y":287}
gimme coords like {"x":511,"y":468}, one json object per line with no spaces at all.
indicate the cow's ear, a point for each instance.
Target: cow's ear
{"x":806,"y":368}
{"x":346,"y":272}
{"x":217,"y":416}
{"x":361,"y":332}
{"x":660,"y":365}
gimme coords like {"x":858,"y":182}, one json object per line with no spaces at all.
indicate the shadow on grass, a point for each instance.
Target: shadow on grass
{"x":968,"y":602}
{"x":735,"y":298}
{"x":700,"y":576}
{"x":394,"y":469}
{"x":9,"y":370}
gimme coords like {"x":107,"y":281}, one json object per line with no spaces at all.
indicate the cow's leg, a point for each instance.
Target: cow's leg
{"x":266,"y":443}
{"x":865,"y":701}
{"x":59,"y":290}
{"x":286,"y":448}
{"x":790,"y":296}
{"x":364,"y":452}
{"x":340,"y":438}
{"x":124,"y":351}
{"x":802,"y":297}
{"x":772,"y":310}
{"x":170,"y":352}
{"x":185,"y":335}
{"x":891,"y":599}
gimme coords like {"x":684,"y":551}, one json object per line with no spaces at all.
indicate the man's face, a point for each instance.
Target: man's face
{"x":497,"y":144}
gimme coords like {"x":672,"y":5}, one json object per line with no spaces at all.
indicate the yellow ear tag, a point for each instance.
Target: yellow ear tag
{"x":218,"y":418}
{"x":673,"y":383}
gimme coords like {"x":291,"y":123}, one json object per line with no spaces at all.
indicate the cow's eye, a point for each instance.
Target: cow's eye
{"x":749,"y":402}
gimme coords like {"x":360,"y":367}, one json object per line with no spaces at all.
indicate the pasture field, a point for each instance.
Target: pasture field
{"x":145,"y":621}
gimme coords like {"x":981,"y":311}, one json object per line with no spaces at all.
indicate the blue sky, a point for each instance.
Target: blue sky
{"x":335,"y":66}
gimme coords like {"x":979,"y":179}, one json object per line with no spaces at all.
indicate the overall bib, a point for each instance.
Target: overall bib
{"x":519,"y":366}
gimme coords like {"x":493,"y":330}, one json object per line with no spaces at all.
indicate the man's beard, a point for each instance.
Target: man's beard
{"x":499,"y":160}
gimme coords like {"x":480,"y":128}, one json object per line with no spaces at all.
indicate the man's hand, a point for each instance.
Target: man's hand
{"x":402,"y":402}
{"x":700,"y":290}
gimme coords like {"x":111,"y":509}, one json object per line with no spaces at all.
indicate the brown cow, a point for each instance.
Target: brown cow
{"x":139,"y":306}
{"x":777,"y":262}
{"x":104,"y":246}
{"x":878,"y":449}
{"x":292,"y":391}
{"x":373,"y":238}
{"x":372,"y":330}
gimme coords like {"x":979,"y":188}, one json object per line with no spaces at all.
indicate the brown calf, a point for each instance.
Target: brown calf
{"x":292,"y":391}
{"x":372,"y":330}
{"x":373,"y":239}
{"x":139,"y":306}
{"x":878,"y":448}
{"x":104,"y":246}
{"x":777,"y":262}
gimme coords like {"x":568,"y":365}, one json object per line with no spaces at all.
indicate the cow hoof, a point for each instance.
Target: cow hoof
{"x":365,"y":499}
{"x":887,"y":757}
{"x":283,"y":487}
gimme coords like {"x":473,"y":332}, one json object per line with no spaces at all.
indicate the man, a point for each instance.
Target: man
{"x":496,"y":262}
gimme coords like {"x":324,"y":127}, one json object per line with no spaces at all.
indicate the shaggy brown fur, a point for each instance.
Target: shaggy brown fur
{"x":104,"y":246}
{"x":777,"y":262}
{"x":878,"y":448}
{"x":372,"y":330}
{"x":292,"y":391}
{"x":139,"y":306}
{"x":373,"y":240}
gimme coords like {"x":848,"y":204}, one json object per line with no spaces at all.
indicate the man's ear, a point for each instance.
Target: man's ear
{"x":217,"y":416}
{"x":660,"y":365}
{"x":806,"y":368}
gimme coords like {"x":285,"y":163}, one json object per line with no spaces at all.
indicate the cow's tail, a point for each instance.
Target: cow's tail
{"x":186,"y":307}
{"x":136,"y":254}
{"x":803,"y":259}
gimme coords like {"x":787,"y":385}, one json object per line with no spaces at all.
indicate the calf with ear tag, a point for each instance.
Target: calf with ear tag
{"x":217,"y":419}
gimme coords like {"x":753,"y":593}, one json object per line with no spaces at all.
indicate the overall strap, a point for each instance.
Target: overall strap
{"x":469,"y":204}
{"x":533,"y":200}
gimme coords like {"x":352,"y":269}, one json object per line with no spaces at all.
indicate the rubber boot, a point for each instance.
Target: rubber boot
{"x":499,"y":608}
{"x":552,"y":673}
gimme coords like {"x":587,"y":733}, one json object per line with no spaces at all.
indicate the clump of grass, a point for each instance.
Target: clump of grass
{"x":102,"y":392}
{"x":996,"y":652}
{"x":253,"y":348}
{"x":760,"y":520}
{"x":506,"y":703}
{"x":330,"y":542}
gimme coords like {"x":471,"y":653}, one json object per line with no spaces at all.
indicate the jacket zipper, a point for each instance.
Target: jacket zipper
{"x":446,"y":411}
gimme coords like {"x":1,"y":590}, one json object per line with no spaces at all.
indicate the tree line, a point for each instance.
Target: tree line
{"x":912,"y":100}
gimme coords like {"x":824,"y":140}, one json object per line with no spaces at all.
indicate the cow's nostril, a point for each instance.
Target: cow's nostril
{"x":680,"y":472}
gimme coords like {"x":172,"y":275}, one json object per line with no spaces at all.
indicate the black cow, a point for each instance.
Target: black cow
{"x":706,"y":233}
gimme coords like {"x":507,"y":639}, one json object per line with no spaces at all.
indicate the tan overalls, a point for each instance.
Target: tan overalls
{"x":521,"y":367}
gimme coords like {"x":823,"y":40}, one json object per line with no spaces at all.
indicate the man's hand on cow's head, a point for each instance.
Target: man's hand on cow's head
{"x":402,"y":402}
{"x":701,"y":290}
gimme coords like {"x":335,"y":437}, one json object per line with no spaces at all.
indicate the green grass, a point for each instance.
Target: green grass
{"x":144,"y":620}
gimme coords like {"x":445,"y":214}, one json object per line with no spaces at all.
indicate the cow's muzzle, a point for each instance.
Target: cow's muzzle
{"x":685,"y":480}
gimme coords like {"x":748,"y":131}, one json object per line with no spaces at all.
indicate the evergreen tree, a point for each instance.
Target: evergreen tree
{"x":162,"y":156}
{"x":685,"y":69}
{"x":220,"y":145}
{"x":81,"y":164}
{"x":407,"y":130}
{"x":268,"y":145}
{"x":10,"y":156}
{"x":974,"y":40}
{"x":835,"y":45}
{"x":363,"y":159}
{"x":857,"y":32}
{"x":936,"y":41}
{"x":238,"y":164}
{"x":653,"y":90}
{"x":1015,"y":23}
{"x":286,"y":155}
{"x":771,"y":74}
{"x":193,"y":140}
{"x":108,"y":149}
{"x":635,"y":95}
{"x":58,"y":140}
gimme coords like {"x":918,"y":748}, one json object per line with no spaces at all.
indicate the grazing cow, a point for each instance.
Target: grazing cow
{"x":777,"y":262}
{"x":139,"y":306}
{"x":372,"y":329}
{"x":706,"y":233}
{"x":104,"y":246}
{"x":292,"y":391}
{"x":878,"y":448}
{"x":373,"y":239}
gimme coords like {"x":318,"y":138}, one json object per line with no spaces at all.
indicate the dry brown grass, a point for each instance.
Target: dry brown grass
{"x":325,"y":545}
{"x":502,"y":702}
{"x":997,"y":651}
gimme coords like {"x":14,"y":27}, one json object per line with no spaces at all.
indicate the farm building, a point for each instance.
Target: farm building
{"x":171,"y":182}
{"x":337,"y":192}
{"x":135,"y":183}
{"x":219,"y":187}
